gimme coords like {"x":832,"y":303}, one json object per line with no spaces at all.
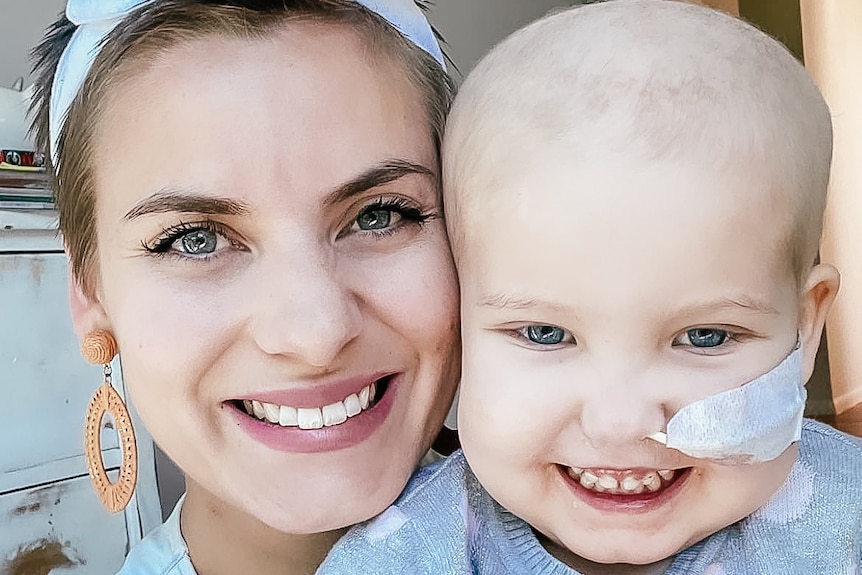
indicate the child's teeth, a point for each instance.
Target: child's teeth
{"x":334,"y":413}
{"x":632,"y":485}
{"x":651,"y":481}
{"x":352,"y":405}
{"x":287,"y":416}
{"x":607,"y":482}
{"x":621,"y":482}
{"x":309,"y":418}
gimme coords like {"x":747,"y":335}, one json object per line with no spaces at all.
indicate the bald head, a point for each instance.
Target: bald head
{"x":640,"y":81}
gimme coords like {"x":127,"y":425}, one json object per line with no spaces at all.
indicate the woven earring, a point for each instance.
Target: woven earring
{"x":100,"y":347}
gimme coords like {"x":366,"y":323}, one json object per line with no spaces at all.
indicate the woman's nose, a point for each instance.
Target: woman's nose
{"x":306,"y":309}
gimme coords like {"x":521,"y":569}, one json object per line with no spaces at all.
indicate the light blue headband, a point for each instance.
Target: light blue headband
{"x":96,"y":18}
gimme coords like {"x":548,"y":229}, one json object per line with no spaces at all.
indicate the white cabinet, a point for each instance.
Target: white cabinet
{"x":49,"y":515}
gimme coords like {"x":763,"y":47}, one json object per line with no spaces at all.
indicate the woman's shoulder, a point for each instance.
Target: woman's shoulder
{"x":162,"y":552}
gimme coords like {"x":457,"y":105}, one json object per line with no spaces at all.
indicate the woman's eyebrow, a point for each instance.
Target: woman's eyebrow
{"x":173,"y":200}
{"x":379,"y":175}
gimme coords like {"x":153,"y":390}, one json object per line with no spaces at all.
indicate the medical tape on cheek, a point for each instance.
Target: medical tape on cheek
{"x":752,"y":423}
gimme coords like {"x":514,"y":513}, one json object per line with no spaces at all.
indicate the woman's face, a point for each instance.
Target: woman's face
{"x":269,"y":230}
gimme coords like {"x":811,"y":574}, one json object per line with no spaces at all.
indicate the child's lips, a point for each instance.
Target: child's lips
{"x":624,"y":490}
{"x":628,"y":482}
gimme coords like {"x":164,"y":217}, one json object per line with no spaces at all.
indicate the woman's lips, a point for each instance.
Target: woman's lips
{"x":334,"y":413}
{"x":633,"y":490}
{"x":328,"y":427}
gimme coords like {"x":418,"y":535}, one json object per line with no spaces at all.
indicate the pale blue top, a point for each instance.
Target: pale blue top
{"x":162,"y":552}
{"x":445,"y":523}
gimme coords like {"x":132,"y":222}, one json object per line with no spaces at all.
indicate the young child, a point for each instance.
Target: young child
{"x":634,"y":193}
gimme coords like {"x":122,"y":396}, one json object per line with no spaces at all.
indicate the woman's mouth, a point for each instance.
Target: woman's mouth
{"x":328,"y":415}
{"x":289,"y":420}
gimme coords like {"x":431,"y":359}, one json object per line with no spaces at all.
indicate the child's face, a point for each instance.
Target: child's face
{"x":598,"y":300}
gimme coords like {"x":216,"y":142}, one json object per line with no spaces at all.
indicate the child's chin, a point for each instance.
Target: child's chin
{"x":644,"y":552}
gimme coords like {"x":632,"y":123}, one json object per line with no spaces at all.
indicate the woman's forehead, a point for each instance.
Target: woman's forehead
{"x":301,"y":110}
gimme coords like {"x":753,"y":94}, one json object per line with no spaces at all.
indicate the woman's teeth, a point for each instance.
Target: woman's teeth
{"x":622,"y":482}
{"x":313,"y":417}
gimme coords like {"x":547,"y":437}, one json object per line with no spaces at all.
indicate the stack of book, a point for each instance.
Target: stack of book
{"x":25,"y":190}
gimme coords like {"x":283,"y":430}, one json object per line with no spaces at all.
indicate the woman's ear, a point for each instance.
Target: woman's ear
{"x":818,"y":295}
{"x":87,"y":311}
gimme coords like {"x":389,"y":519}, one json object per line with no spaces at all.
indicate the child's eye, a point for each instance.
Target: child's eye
{"x":706,"y":337}
{"x":709,"y":340}
{"x":545,"y":334}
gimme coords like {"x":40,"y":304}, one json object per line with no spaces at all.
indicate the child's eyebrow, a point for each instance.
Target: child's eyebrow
{"x":743,"y":302}
{"x":185,"y":201}
{"x":512,"y":302}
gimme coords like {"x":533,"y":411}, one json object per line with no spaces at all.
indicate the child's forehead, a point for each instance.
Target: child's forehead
{"x":661,"y":226}
{"x":553,"y":179}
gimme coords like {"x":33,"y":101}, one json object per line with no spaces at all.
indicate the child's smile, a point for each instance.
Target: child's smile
{"x":627,"y":489}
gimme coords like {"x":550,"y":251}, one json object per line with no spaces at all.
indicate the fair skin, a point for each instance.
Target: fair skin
{"x":598,"y":298}
{"x":269,"y":228}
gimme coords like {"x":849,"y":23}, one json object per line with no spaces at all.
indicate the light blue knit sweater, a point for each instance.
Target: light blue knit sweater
{"x":446,"y":524}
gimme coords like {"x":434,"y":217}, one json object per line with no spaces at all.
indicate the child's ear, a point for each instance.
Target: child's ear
{"x":818,"y":295}
{"x":87,"y":311}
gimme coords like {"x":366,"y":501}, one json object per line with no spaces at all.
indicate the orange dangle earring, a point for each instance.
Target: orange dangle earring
{"x":100,"y":347}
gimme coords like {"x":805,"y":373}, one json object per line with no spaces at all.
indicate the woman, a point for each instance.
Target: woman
{"x":249,"y":197}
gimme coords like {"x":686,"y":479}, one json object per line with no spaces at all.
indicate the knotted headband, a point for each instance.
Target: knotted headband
{"x":96,"y":18}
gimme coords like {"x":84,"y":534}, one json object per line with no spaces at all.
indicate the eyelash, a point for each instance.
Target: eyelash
{"x":162,"y":246}
{"x":406,"y":209}
{"x":733,"y":337}
{"x":521,"y":336}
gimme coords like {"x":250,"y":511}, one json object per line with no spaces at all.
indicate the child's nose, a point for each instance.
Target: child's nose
{"x":620,"y":415}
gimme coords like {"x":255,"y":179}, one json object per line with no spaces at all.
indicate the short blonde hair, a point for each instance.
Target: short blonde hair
{"x":650,"y":80}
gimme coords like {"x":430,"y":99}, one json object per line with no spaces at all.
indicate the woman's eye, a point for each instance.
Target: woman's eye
{"x":197,"y":243}
{"x":385,"y":217}
{"x":376,"y":218}
{"x":545,"y":334}
{"x":200,"y":240}
{"x":706,"y":338}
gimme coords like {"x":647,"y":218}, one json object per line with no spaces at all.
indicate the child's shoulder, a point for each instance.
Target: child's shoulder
{"x":442,"y":478}
{"x":831,"y":453}
{"x":816,"y":515}
{"x":814,"y":518}
{"x":422,"y":532}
